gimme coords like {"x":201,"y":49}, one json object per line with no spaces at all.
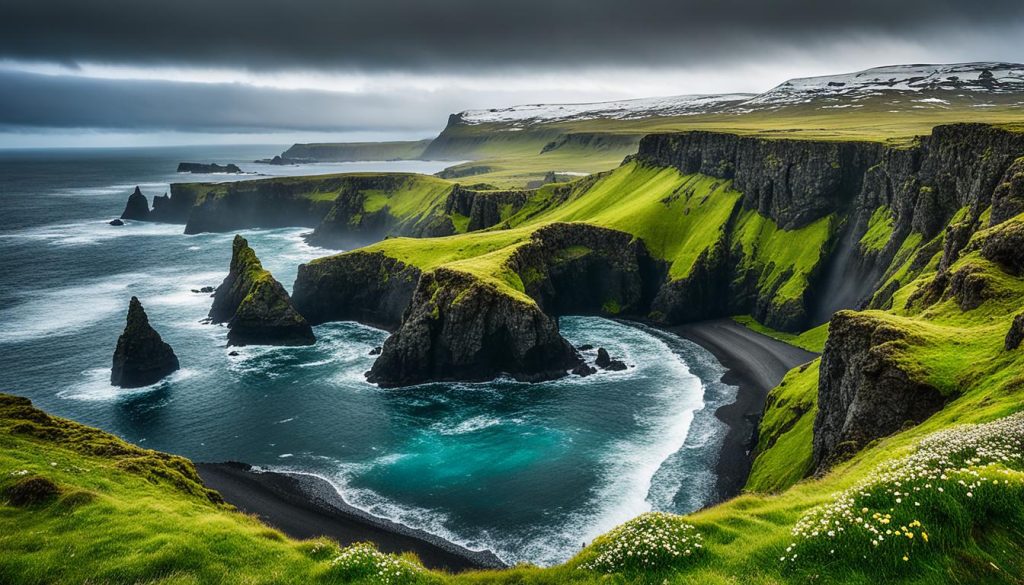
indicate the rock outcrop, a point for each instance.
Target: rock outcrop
{"x":206,"y":168}
{"x":142,"y":357}
{"x":369,"y":287}
{"x":256,"y":308}
{"x":864,"y":392}
{"x":1016,"y":333}
{"x":459,"y":327}
{"x":137,"y":207}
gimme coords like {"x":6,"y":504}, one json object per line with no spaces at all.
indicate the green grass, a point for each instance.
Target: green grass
{"x":784,"y":259}
{"x":783,"y":453}
{"x":879,"y":230}
{"x":812,"y":340}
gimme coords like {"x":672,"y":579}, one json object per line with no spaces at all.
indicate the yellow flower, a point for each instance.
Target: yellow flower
{"x":906,"y":558}
{"x":924,"y":535}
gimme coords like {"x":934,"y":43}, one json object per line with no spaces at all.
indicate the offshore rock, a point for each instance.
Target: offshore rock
{"x":203,"y":168}
{"x":137,"y":207}
{"x":459,"y":327}
{"x":142,"y":357}
{"x":116,"y":222}
{"x":255,"y":306}
{"x":864,"y":392}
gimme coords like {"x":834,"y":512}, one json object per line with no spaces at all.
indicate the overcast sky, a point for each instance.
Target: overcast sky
{"x":140,"y":71}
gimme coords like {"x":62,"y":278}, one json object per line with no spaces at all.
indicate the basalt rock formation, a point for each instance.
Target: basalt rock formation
{"x":461,"y":328}
{"x":205,"y":168}
{"x":451,"y":325}
{"x":256,"y":308}
{"x":142,"y":357}
{"x":137,"y":207}
{"x":369,"y":287}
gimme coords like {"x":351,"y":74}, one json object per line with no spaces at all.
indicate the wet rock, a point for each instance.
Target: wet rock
{"x":376,"y":350}
{"x":142,"y":357}
{"x":256,"y":308}
{"x":1016,"y":333}
{"x":233,"y":353}
{"x":117,"y":222}
{"x":585,"y":347}
{"x":137,"y":207}
{"x":615,"y":366}
{"x":865,"y":391}
{"x":605,"y":361}
{"x":583,"y":370}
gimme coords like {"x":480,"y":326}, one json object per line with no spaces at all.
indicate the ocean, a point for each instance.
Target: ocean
{"x":529,"y":471}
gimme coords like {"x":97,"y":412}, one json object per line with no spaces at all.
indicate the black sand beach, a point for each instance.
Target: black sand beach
{"x":304,"y":506}
{"x":756,"y":363}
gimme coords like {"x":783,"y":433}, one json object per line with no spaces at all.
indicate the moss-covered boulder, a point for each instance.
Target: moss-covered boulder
{"x":142,"y":357}
{"x":137,"y":207}
{"x":256,"y":308}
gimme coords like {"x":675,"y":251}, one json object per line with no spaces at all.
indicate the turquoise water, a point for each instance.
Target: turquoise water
{"x":528,"y":471}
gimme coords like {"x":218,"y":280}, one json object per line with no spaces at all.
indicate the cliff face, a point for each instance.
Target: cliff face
{"x":796,"y":182}
{"x":371,"y":288}
{"x":249,"y":204}
{"x":573,"y":269}
{"x":484,"y":208}
{"x":460,"y":328}
{"x":141,"y":357}
{"x":255,"y":306}
{"x":864,"y":392}
{"x":793,"y":182}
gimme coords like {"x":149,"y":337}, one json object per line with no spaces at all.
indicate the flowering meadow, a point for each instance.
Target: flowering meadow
{"x":649,"y":542}
{"x":363,"y":563}
{"x":919,"y":504}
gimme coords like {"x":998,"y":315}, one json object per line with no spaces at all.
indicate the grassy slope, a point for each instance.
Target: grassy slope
{"x":125,"y":515}
{"x":676,"y":216}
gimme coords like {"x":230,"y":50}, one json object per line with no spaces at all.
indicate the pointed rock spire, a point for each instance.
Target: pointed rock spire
{"x":137,"y":207}
{"x":142,"y":357}
{"x":255,"y":306}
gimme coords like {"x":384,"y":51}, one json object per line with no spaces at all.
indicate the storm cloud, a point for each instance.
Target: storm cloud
{"x":400,"y":66}
{"x":417,"y":35}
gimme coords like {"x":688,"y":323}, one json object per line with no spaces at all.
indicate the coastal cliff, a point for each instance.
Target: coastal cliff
{"x":792,"y":230}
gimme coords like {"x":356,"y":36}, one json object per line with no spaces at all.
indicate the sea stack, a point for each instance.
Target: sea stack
{"x":137,"y":207}
{"x":255,"y":306}
{"x":142,"y":357}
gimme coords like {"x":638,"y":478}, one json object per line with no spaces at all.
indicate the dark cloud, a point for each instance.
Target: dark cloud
{"x":31,"y":100}
{"x":420,"y":34}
